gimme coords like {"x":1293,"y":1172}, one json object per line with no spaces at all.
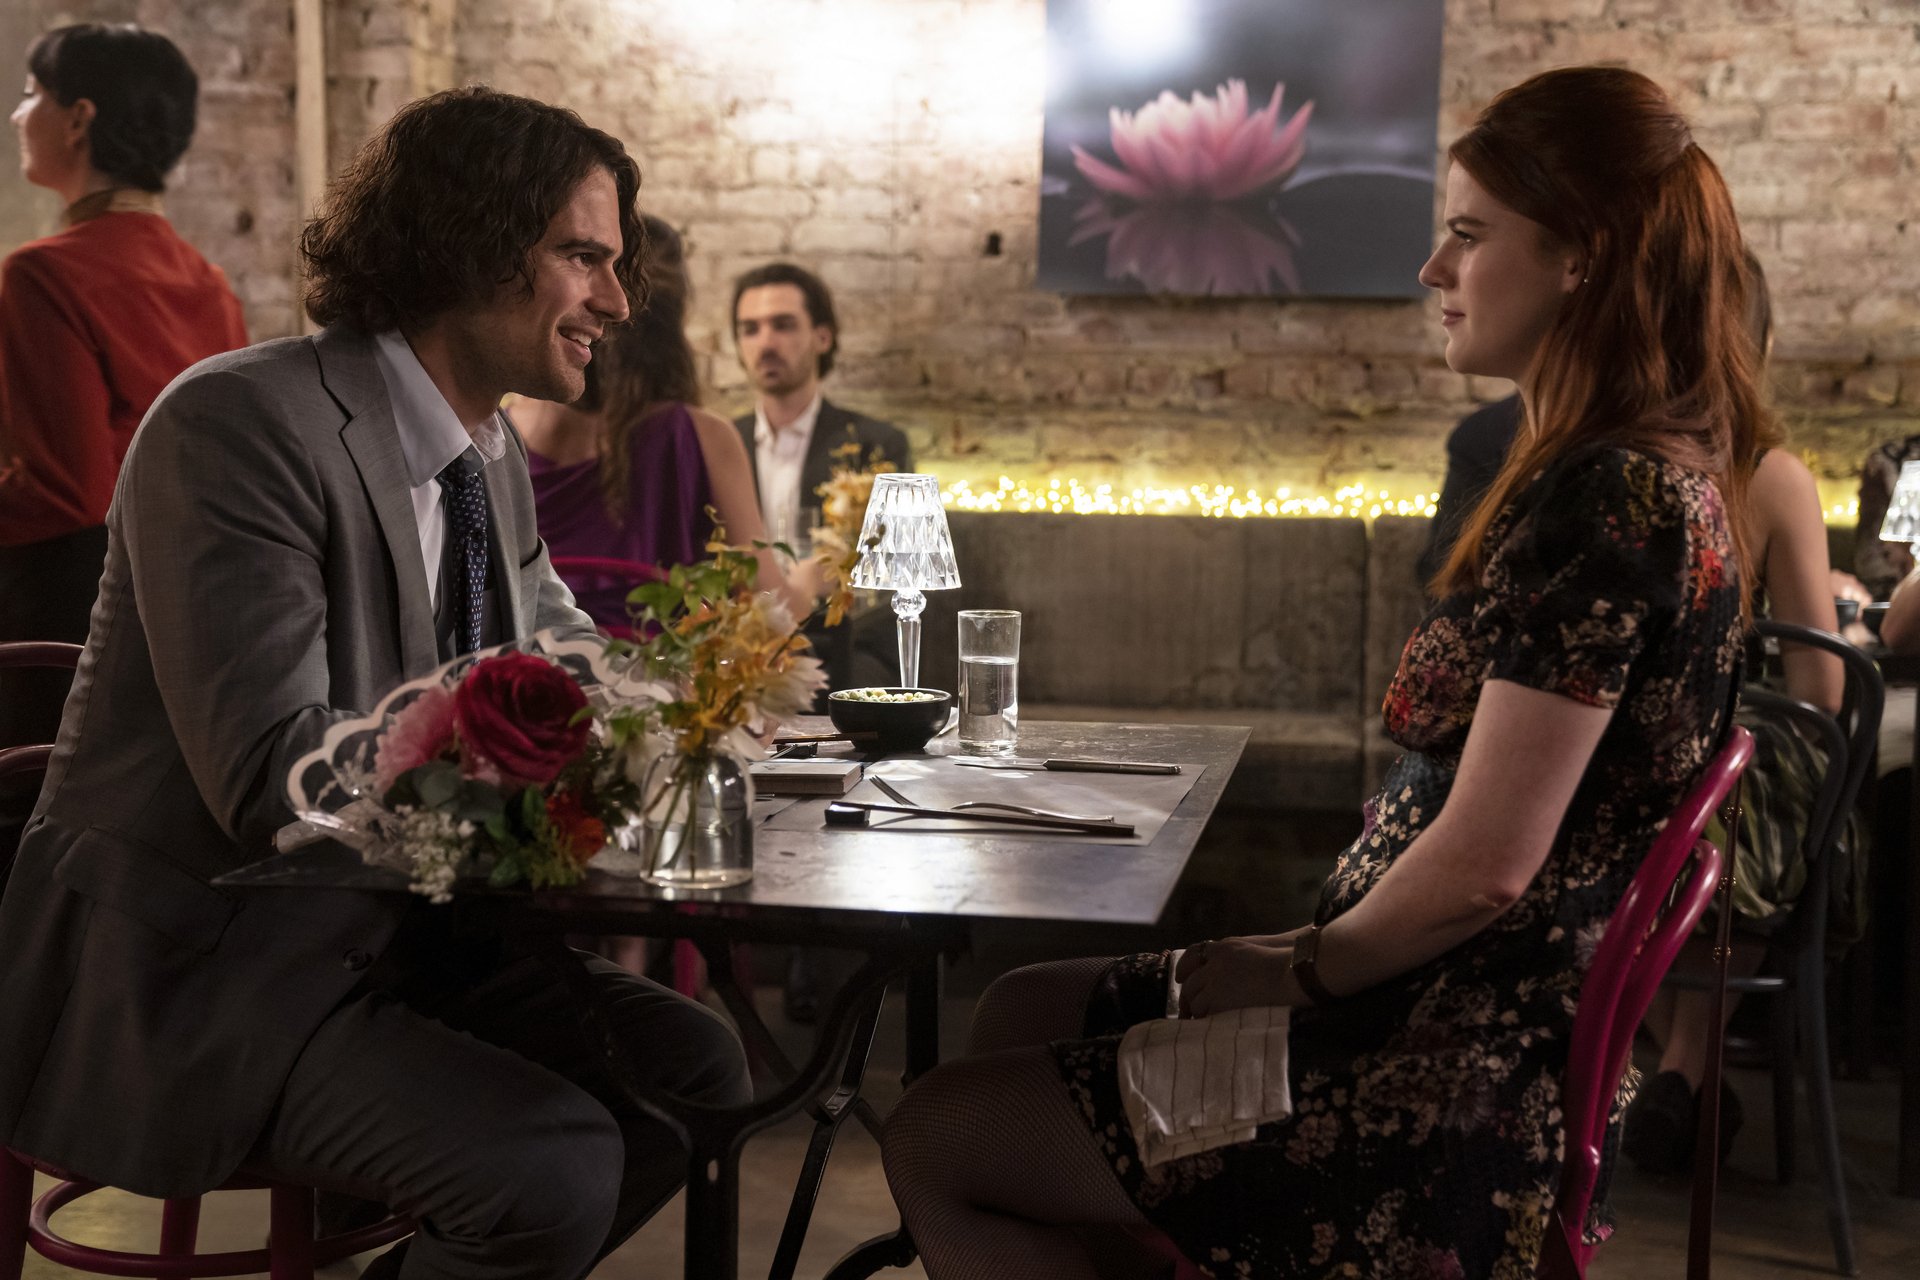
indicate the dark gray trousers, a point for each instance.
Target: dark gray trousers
{"x":495,"y":1122}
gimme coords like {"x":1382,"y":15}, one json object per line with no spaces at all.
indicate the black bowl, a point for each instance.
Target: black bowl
{"x":902,"y":726}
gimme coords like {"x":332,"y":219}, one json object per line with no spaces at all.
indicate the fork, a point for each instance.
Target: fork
{"x":1035,"y":813}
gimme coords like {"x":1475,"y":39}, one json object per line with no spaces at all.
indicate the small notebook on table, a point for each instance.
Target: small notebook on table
{"x":804,"y":777}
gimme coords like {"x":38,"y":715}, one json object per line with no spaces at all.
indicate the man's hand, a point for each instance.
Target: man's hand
{"x":1235,"y":973}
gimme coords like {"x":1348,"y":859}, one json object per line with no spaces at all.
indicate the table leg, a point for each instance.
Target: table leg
{"x":714,"y":1135}
{"x":925,"y":981}
{"x":1907,"y":1174}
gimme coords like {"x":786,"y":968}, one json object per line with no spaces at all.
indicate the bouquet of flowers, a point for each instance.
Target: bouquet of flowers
{"x":843,"y":512}
{"x":528,"y":761}
{"x":512,"y":761}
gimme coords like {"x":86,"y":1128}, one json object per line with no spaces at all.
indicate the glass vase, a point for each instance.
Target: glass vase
{"x":697,"y":830}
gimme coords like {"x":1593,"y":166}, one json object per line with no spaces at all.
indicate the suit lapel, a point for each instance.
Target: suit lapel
{"x":829,"y":433}
{"x":373,"y":441}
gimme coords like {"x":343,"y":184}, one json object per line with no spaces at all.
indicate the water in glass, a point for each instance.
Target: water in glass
{"x":989,"y":705}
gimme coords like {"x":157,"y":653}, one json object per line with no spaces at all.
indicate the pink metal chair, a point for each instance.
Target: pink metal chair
{"x":1642,"y":938}
{"x":596,"y":578}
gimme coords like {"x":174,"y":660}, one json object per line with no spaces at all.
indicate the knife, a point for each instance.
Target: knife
{"x":849,"y":813}
{"x":1070,"y":766}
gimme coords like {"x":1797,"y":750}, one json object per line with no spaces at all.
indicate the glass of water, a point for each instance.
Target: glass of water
{"x":989,"y":681}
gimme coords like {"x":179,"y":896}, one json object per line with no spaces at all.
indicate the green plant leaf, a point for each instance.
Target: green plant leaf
{"x":436,"y":783}
{"x":507,"y":871}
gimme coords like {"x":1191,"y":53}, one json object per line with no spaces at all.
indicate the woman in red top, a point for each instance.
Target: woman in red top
{"x":94,"y":320}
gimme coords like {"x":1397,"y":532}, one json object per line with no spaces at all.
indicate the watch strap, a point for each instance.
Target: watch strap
{"x":1304,"y":967}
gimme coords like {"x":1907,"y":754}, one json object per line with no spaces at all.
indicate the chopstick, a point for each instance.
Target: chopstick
{"x":1009,"y":819}
{"x":795,"y":739}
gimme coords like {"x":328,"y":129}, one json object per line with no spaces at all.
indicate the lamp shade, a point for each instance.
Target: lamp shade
{"x":1903,"y":512}
{"x":914,"y":551}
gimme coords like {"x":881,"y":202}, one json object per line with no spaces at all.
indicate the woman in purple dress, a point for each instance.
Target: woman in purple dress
{"x":635,"y":470}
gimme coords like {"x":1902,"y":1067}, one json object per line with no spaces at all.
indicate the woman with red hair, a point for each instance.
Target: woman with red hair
{"x":1569,"y":684}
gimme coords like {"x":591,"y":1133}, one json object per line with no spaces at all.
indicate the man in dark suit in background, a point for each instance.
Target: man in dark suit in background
{"x":786,"y":334}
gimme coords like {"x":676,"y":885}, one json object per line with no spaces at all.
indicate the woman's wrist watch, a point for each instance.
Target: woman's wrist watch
{"x":1304,"y":967}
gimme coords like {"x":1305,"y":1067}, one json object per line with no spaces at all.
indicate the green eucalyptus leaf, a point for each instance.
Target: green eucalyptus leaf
{"x":437,"y":782}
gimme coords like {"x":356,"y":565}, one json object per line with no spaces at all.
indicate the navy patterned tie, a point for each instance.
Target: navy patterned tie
{"x":466,"y":494}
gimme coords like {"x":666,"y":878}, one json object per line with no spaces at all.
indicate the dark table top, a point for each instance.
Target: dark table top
{"x":974,"y":874}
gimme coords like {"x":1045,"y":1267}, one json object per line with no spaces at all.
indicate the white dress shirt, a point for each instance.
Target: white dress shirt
{"x":430,"y":437}
{"x":779,"y":457}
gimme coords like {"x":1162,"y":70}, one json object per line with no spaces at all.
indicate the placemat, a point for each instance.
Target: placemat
{"x":939,"y":782}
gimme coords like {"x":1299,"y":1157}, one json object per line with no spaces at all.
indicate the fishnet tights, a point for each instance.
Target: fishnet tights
{"x":996,"y":1174}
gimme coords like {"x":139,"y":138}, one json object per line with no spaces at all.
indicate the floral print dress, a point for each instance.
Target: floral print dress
{"x":1426,"y":1134}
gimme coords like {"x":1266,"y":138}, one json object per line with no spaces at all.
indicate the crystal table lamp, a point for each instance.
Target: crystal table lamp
{"x":906,"y":550}
{"x":1903,"y":511}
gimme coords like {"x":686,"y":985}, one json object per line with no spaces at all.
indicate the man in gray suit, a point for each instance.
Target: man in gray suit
{"x":299,"y":527}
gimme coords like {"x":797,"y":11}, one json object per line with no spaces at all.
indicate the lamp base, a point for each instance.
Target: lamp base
{"x":907,"y":607}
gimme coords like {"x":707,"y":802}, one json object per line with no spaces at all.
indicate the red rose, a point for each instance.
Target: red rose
{"x":515,"y":712}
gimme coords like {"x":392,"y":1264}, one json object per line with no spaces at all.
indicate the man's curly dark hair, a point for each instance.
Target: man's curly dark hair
{"x":446,"y":204}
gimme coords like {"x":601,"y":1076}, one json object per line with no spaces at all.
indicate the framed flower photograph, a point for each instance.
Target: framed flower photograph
{"x":1240,"y":147}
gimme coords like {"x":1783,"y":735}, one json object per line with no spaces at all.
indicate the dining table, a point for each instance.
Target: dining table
{"x":900,"y":891}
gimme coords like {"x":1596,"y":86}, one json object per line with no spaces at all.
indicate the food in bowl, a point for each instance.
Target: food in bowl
{"x":898,"y":718}
{"x":889,"y":695}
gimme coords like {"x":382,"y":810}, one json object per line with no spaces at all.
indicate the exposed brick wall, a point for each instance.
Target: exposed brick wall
{"x":885,"y":141}
{"x":890,"y":170}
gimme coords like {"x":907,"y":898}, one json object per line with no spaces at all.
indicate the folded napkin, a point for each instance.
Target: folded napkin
{"x":1192,"y":1084}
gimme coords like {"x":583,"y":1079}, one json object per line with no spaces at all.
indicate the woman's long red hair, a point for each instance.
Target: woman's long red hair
{"x":1654,"y":351}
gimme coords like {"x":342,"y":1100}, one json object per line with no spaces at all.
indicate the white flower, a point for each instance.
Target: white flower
{"x":790,"y":693}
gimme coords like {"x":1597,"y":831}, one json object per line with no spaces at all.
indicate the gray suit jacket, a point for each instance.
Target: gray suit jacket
{"x":832,"y":429}
{"x":263,"y":580}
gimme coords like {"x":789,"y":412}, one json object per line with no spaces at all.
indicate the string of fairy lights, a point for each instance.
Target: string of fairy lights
{"x":1072,"y":496}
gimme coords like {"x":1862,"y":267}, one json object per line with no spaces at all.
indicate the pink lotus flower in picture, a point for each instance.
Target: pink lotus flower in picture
{"x":1205,"y":149}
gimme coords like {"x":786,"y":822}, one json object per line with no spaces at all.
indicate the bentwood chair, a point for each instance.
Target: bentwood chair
{"x":291,"y":1253}
{"x":1668,"y":896}
{"x":27,"y":763}
{"x":1839,"y":752}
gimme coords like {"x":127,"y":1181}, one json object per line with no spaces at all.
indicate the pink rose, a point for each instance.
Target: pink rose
{"x":421,"y":732}
{"x":515,"y":713}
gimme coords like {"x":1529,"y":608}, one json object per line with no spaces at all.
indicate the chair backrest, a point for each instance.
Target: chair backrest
{"x":601,"y":583}
{"x":14,"y":655}
{"x":1668,"y":895}
{"x":1859,"y":725}
{"x":39,"y":653}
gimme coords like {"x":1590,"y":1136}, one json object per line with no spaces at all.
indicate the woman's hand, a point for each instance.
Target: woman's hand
{"x":1235,"y":973}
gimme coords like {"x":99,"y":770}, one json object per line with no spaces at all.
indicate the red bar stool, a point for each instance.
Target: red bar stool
{"x":292,"y":1252}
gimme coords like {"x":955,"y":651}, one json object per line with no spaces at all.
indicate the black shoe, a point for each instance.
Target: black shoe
{"x":1660,"y":1125}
